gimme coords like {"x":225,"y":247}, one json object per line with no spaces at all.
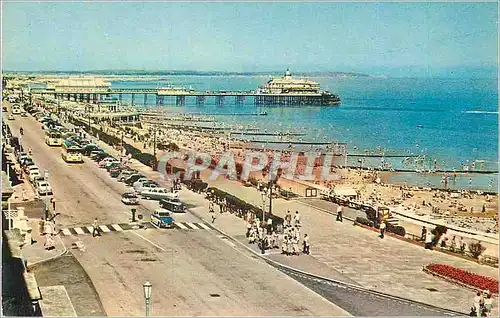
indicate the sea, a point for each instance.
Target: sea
{"x":451,"y":121}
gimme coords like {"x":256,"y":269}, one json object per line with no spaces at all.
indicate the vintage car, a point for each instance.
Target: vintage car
{"x":162,"y":218}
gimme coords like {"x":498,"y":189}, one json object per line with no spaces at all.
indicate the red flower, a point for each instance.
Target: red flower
{"x":464,"y":277}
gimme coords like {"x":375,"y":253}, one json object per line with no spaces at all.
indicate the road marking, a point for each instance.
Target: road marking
{"x":203,"y":225}
{"x":104,"y":228}
{"x":66,"y":232}
{"x":152,"y":243}
{"x":90,"y":228}
{"x":182,"y":226}
{"x":116,"y":227}
{"x":191,"y":225}
{"x":78,"y":230}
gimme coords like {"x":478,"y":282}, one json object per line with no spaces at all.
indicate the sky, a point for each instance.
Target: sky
{"x":401,"y":39}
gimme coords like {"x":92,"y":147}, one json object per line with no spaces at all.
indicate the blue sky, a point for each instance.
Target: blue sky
{"x":383,"y":38}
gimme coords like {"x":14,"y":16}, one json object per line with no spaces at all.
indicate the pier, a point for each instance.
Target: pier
{"x":180,"y":96}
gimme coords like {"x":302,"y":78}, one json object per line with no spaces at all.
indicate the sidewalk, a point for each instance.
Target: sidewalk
{"x":36,"y":252}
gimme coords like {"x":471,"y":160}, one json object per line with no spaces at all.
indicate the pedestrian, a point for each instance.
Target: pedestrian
{"x":306,"y":244}
{"x":488,"y":303}
{"x":53,"y":200}
{"x":473,"y":312}
{"x":23,"y":194}
{"x":284,"y":245}
{"x":424,"y":232}
{"x":339,"y":214}
{"x":212,"y":214}
{"x":478,"y":303}
{"x":453,"y":244}
{"x":249,"y":227}
{"x":428,"y":240}
{"x":289,"y":245}
{"x":288,"y":218}
{"x":95,"y":230}
{"x":295,"y":245}
{"x":275,"y":240}
{"x":382,"y":229}
{"x":296,"y":219}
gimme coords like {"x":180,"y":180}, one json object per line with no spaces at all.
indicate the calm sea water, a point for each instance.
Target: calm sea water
{"x":450,"y":120}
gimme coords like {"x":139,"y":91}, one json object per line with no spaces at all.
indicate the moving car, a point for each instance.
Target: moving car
{"x":130,"y":198}
{"x":173,"y":205}
{"x":158,"y":194}
{"x":162,"y":218}
{"x":106,"y":161}
{"x":11,"y":117}
{"x":133,"y":178}
{"x":145,"y":186}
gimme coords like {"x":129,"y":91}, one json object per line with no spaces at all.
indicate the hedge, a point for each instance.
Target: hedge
{"x":236,"y":203}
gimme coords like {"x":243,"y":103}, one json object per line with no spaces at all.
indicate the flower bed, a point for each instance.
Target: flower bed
{"x":462,"y":277}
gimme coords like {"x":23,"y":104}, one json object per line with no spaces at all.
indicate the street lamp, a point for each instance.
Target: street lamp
{"x":147,"y":295}
{"x":46,"y":179}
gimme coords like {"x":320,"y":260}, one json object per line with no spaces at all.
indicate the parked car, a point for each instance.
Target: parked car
{"x":106,"y":160}
{"x":88,"y":149}
{"x":133,"y":178}
{"x":115,"y":172}
{"x":11,"y":117}
{"x":140,"y":182}
{"x":96,"y":155}
{"x":145,"y":186}
{"x":30,"y":167}
{"x":125,"y":174}
{"x":162,"y":218}
{"x":43,"y":187}
{"x":34,"y":174}
{"x":130,"y":198}
{"x":158,"y":194}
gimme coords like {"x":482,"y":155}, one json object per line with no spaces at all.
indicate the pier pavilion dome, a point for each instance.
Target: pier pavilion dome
{"x":82,"y":85}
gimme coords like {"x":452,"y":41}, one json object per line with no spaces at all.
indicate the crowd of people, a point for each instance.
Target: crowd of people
{"x":288,"y":236}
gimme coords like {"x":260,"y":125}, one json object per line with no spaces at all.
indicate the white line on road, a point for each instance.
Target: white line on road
{"x":116,"y":227}
{"x":191,"y":225}
{"x":78,"y":230}
{"x":90,"y":228}
{"x":152,"y":243}
{"x":66,"y":232}
{"x":203,"y":225}
{"x":182,"y":226}
{"x":104,"y":228}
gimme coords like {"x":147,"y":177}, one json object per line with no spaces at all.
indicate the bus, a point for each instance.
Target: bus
{"x":71,"y":152}
{"x":53,"y":138}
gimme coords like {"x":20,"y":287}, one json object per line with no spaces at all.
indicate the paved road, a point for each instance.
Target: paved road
{"x":192,"y":271}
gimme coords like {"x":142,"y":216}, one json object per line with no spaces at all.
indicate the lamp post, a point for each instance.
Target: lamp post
{"x":147,"y":295}
{"x":46,"y":179}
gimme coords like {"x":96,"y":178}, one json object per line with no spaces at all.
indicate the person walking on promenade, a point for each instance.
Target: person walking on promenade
{"x":212,"y":214}
{"x":339,"y":214}
{"x":269,"y":225}
{"x":478,"y":303}
{"x":53,"y":201}
{"x":382,"y":229}
{"x":249,"y":227}
{"x":23,"y":195}
{"x":296,"y":219}
{"x":306,"y":244}
{"x":488,"y":303}
{"x":288,"y":218}
{"x":284,"y":245}
{"x":95,"y":230}
{"x":275,"y":240}
{"x":424,"y":232}
{"x":428,"y":240}
{"x":295,"y":245}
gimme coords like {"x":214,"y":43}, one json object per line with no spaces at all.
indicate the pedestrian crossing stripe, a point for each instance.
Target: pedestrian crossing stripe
{"x":90,"y":229}
{"x":125,"y":227}
{"x":191,"y":226}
